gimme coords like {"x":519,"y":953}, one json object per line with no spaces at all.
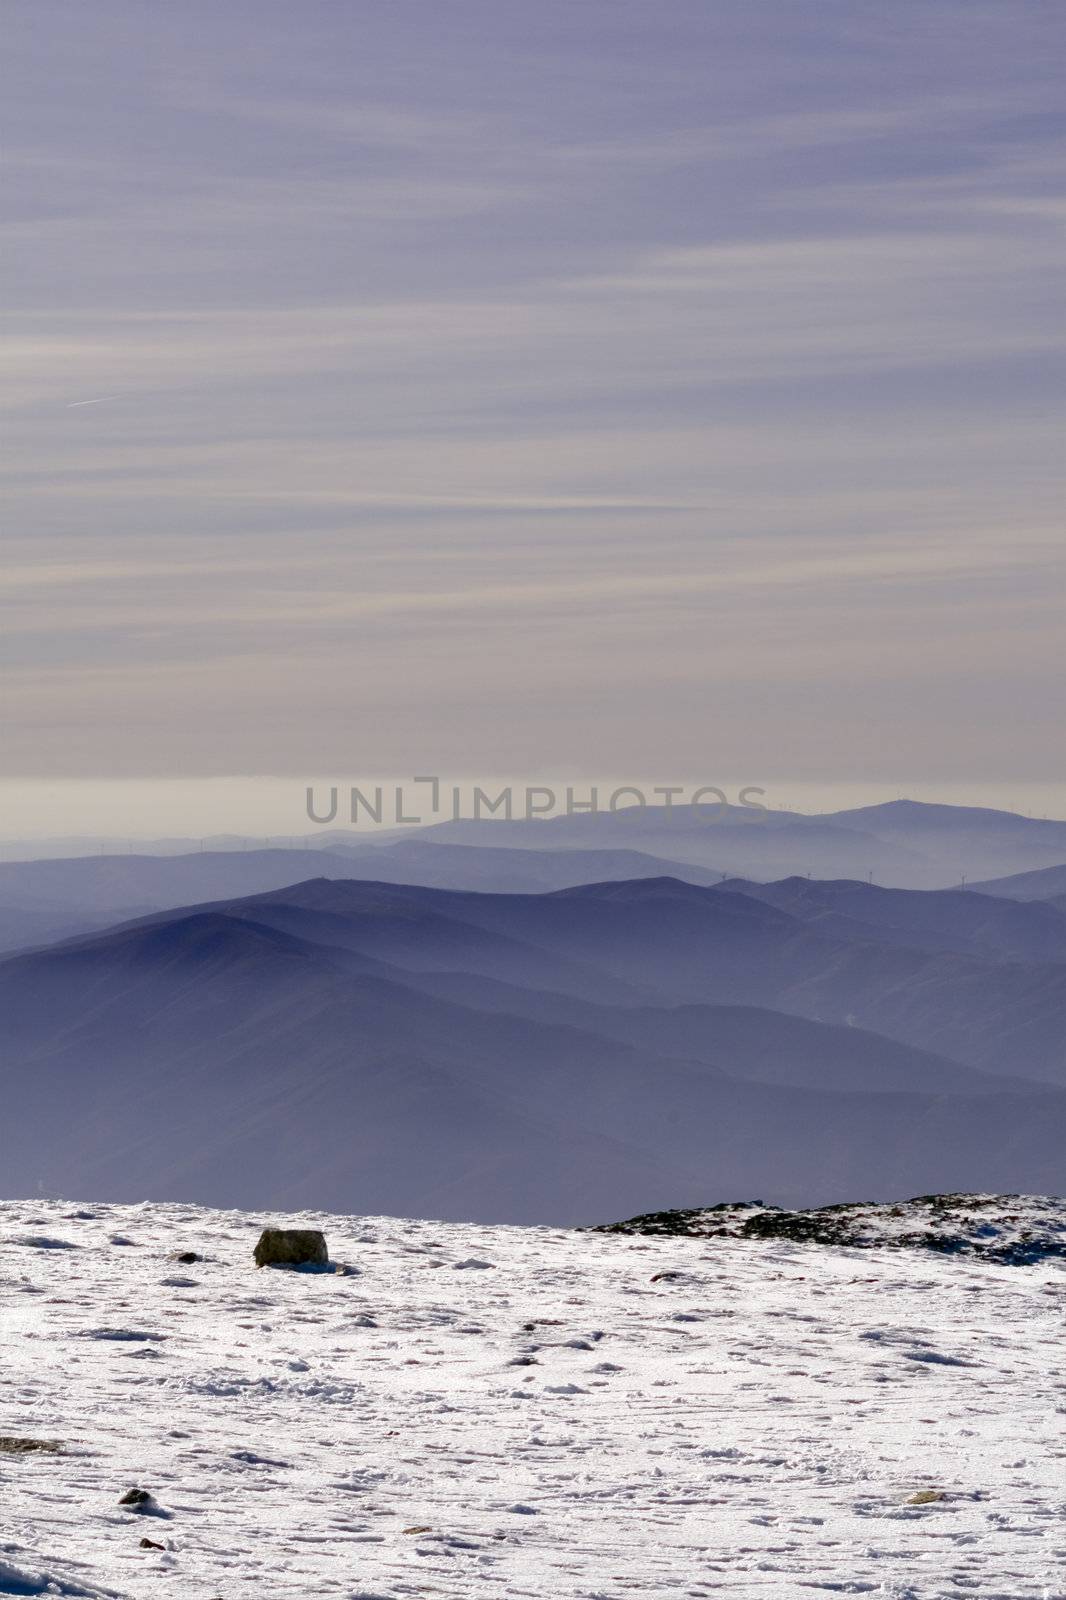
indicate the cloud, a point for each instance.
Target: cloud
{"x":566,"y":376}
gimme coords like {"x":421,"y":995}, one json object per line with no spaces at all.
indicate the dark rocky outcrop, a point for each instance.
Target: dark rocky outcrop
{"x":1012,"y":1230}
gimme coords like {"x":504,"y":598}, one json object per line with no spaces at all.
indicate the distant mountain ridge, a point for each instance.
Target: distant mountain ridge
{"x":662,"y":941}
{"x":1046,"y":883}
{"x":42,"y":901}
{"x":901,"y":844}
{"x":549,"y":1057}
{"x":925,"y":919}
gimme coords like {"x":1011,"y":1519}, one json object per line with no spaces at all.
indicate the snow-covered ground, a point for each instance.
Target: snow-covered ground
{"x":477,"y":1411}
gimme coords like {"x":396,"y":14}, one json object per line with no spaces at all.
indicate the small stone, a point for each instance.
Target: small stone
{"x":186,"y":1257}
{"x":419,"y":1528}
{"x":291,"y":1247}
{"x":925,"y":1497}
{"x":150,"y":1544}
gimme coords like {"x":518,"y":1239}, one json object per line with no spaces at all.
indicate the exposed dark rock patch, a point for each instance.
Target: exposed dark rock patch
{"x":1013,"y":1230}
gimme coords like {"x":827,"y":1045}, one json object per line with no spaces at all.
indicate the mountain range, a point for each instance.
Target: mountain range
{"x":595,"y":1050}
{"x":902,"y":844}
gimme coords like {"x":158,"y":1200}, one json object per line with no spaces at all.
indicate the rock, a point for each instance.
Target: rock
{"x":186,"y":1257}
{"x":150,"y":1544}
{"x":925,"y":1497}
{"x":291,"y":1247}
{"x":143,"y":1504}
{"x":136,"y":1497}
{"x":25,"y":1447}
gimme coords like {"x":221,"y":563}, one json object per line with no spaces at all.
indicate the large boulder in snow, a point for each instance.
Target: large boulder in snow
{"x":291,"y":1247}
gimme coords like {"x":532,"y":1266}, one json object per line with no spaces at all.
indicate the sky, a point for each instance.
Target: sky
{"x":501,"y":389}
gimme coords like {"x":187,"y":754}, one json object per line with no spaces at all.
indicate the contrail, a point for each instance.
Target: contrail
{"x":99,"y":402}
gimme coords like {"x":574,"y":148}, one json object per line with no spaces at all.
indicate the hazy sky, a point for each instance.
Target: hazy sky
{"x":496,"y":387}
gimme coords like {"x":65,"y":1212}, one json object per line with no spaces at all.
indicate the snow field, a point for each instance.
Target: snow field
{"x":477,"y":1411}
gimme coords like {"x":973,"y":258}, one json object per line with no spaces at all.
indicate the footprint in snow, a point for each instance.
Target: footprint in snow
{"x":934,"y":1358}
{"x":122,"y":1335}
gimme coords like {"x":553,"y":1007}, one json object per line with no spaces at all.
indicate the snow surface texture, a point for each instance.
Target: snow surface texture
{"x":472,"y":1411}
